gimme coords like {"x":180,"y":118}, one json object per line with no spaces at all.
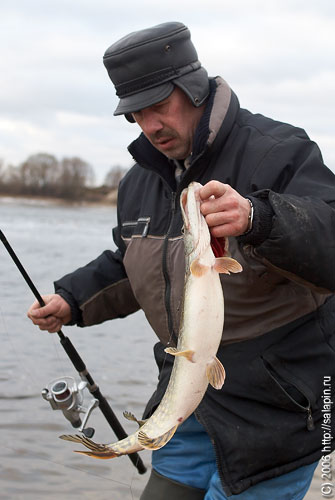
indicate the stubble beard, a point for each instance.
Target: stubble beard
{"x":178,"y":151}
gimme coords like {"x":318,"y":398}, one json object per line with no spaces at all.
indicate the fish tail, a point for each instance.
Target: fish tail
{"x":105,"y":451}
{"x":103,"y":455}
{"x":97,"y":450}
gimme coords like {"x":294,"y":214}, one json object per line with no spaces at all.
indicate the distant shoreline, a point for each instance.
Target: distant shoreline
{"x":108,"y":199}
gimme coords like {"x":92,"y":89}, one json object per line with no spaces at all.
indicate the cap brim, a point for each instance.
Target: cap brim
{"x":144,"y":99}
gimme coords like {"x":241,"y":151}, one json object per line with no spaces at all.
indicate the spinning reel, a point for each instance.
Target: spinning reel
{"x":64,"y":394}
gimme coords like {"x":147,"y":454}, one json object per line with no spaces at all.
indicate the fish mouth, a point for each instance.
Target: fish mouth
{"x":183,"y":205}
{"x":192,"y":215}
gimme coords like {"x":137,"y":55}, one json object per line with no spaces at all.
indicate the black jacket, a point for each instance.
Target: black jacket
{"x":277,"y":342}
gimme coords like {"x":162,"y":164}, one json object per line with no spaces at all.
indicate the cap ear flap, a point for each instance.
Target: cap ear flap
{"x":129,"y":117}
{"x":195,"y":85}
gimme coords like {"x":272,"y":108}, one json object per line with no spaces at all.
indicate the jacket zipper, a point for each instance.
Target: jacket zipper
{"x":173,"y":337}
{"x":306,"y":409}
{"x":310,"y":421}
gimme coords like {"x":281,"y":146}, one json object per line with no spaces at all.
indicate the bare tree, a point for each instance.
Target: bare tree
{"x":11,"y":183}
{"x":38,"y":174}
{"x":75,"y":175}
{"x":42,"y":174}
{"x":114,"y":175}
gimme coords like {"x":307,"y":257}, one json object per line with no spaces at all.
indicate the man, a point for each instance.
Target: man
{"x":266,"y":188}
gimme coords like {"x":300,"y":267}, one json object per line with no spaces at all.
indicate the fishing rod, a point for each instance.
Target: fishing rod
{"x":64,"y":392}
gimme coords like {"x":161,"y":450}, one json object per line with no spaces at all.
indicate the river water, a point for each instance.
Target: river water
{"x":52,"y":240}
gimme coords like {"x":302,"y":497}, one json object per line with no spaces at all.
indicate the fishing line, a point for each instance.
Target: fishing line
{"x":67,"y":466}
{"x":60,"y":360}
{"x":13,"y":339}
{"x":61,"y":366}
{"x":79,"y":365}
{"x":17,"y":354}
{"x":36,"y":382}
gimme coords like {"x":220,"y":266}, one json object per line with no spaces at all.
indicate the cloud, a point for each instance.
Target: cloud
{"x":56,"y":95}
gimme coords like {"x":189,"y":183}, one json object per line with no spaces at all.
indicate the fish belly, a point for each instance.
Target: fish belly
{"x":201,"y":332}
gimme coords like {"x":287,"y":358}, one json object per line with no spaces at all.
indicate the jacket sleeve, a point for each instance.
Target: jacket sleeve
{"x":98,"y":291}
{"x":294,"y":221}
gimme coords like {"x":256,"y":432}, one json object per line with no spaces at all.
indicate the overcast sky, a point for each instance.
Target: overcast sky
{"x":55,"y":95}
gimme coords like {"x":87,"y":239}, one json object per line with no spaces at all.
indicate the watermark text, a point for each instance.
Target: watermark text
{"x":327,"y":485}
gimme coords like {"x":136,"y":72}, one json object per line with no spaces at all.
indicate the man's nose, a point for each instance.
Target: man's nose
{"x":150,"y":123}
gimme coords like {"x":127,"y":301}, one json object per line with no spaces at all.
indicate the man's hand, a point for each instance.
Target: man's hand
{"x":225,"y":210}
{"x":53,"y":315}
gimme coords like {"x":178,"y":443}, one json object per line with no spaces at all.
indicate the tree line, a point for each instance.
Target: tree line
{"x":42,"y":174}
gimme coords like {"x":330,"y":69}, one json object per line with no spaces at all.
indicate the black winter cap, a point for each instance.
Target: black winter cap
{"x":145,"y":65}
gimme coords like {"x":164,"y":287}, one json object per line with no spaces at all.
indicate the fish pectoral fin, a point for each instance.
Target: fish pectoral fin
{"x":97,"y":450}
{"x":198,"y":269}
{"x":188,"y":354}
{"x":130,"y":416}
{"x":216,"y":373}
{"x":227,"y":265}
{"x":158,"y":442}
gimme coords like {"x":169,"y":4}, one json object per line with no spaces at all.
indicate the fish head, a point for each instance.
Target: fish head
{"x":195,"y":229}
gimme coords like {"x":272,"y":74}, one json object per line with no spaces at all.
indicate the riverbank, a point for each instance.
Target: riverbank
{"x":91,"y":196}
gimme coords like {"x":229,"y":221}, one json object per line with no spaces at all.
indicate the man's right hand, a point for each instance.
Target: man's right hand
{"x":53,"y":315}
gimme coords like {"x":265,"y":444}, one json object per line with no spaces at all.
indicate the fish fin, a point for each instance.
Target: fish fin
{"x":227,"y":265}
{"x":175,"y":352}
{"x":158,"y":442}
{"x":97,"y":450}
{"x":103,"y":455}
{"x":216,"y":373}
{"x":198,"y":269}
{"x":130,"y":416}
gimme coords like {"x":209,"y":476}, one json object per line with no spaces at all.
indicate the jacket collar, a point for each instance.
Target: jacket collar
{"x":213,"y":129}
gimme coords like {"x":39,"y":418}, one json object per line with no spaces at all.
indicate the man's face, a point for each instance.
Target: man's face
{"x":170,"y":124}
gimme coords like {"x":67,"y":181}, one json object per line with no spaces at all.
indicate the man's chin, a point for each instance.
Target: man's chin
{"x":174,"y":154}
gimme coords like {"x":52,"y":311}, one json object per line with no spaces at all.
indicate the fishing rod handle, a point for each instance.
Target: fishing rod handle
{"x":73,"y":354}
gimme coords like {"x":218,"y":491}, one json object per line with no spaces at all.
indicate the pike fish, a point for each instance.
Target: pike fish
{"x":195,"y":364}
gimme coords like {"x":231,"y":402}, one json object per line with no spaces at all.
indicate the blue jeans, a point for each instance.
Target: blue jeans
{"x":189,"y":459}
